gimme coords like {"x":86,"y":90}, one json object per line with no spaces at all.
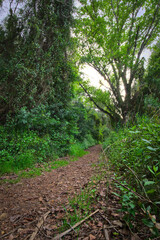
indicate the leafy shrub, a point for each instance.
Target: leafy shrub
{"x":20,"y":150}
{"x":42,"y":134}
{"x":88,"y":141}
{"x":151,"y":105}
{"x":137,"y":148}
{"x":135,"y":154}
{"x":77,"y":150}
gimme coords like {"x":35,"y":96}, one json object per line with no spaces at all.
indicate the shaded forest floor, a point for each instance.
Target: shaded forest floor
{"x":43,"y":201}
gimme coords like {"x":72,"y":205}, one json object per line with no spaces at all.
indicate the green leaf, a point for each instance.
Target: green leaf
{"x":145,"y":140}
{"x":149,"y":183}
{"x":152,"y":149}
{"x":151,"y":191}
{"x":116,"y":194}
{"x":155,"y":168}
{"x":150,"y":170}
{"x":148,"y":223}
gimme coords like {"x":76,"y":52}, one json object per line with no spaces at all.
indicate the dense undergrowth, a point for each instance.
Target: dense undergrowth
{"x":36,"y":136}
{"x":134,"y":154}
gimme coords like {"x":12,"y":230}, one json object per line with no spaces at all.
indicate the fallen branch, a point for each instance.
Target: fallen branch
{"x":39,"y":224}
{"x":59,"y":236}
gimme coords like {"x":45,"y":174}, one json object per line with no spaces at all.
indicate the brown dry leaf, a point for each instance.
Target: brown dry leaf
{"x":85,"y":225}
{"x":11,"y":237}
{"x":94,"y":227}
{"x":86,"y":238}
{"x":124,"y":232}
{"x":102,"y":194}
{"x":51,"y":202}
{"x":117,"y":223}
{"x":14,"y":218}
{"x":53,"y":227}
{"x":42,"y":209}
{"x":135,"y":237}
{"x":48,"y":233}
{"x":20,"y":230}
{"x":91,"y":237}
{"x":115,"y":214}
{"x":100,"y":224}
{"x":157,"y":226}
{"x":3,"y":216}
{"x":71,"y":210}
{"x":41,"y":199}
{"x":50,"y":227}
{"x":60,"y":216}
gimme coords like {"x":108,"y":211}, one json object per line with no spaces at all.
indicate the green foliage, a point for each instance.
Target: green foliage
{"x":128,"y":201}
{"x":35,"y":170}
{"x":77,"y":150}
{"x":39,"y":118}
{"x":151,"y":105}
{"x":36,"y":66}
{"x":152,"y":77}
{"x":20,"y":150}
{"x":135,"y":154}
{"x":112,"y":36}
{"x":36,"y":136}
{"x":88,"y":141}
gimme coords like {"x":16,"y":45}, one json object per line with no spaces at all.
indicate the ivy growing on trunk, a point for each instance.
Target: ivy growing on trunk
{"x":36,"y":66}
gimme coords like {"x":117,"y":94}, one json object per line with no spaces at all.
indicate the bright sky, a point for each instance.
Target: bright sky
{"x":94,"y":77}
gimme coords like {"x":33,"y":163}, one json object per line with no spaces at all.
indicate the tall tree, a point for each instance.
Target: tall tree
{"x":112,"y":37}
{"x":153,"y":71}
{"x":36,"y":66}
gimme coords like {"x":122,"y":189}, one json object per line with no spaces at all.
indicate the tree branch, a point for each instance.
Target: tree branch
{"x":101,"y":109}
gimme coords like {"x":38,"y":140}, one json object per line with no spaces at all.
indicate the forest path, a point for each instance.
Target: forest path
{"x":29,"y":199}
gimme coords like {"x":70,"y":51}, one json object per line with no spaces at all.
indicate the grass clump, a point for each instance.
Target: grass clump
{"x":80,"y":206}
{"x":36,"y":171}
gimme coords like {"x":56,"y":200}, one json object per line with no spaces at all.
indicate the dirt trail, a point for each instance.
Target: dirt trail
{"x":28,"y":199}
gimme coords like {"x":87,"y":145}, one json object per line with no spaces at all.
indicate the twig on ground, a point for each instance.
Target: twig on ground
{"x":59,"y":236}
{"x":109,"y":227}
{"x":108,"y":221}
{"x":71,"y":227}
{"x":45,"y":235}
{"x":39,"y":224}
{"x":106,"y":234}
{"x":110,"y":224}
